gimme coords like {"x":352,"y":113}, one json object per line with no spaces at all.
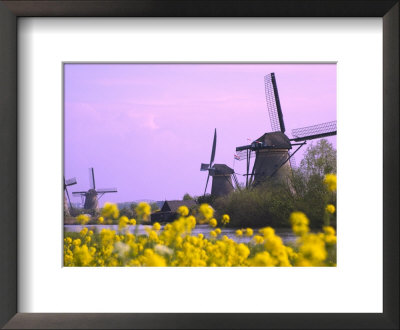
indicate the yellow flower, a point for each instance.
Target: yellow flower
{"x":330,"y":208}
{"x":213,"y":222}
{"x":183,"y":210}
{"x":329,"y":230}
{"x":143,"y":210}
{"x":156,"y":226}
{"x":90,"y":233}
{"x":225,"y":219}
{"x":218,"y":231}
{"x":243,"y":250}
{"x":201,"y":236}
{"x":100,"y":220}
{"x":153,"y":260}
{"x":267,"y":232}
{"x":83,"y":232}
{"x":213,"y":233}
{"x":68,"y":240}
{"x":263,"y":259}
{"x":110,"y":211}
{"x":299,"y":223}
{"x":330,"y":181}
{"x":239,"y":233}
{"x":123,"y":222}
{"x":82,"y":256}
{"x":88,"y":239}
{"x":132,"y":222}
{"x":76,"y":242}
{"x":207,"y":211}
{"x":82,"y":219}
{"x":258,"y":239}
{"x":249,"y":232}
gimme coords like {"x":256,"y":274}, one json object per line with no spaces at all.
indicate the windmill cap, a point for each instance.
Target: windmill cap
{"x":276,"y":139}
{"x":222,"y":169}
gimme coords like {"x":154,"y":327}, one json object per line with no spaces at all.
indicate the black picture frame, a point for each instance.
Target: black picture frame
{"x":9,"y":13}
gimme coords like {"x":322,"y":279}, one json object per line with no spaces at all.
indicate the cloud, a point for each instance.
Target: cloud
{"x":146,"y":120}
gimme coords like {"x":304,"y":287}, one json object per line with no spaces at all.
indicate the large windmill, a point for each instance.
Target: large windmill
{"x":222,"y":174}
{"x":68,"y":183}
{"x":93,"y":195}
{"x":272,"y":150}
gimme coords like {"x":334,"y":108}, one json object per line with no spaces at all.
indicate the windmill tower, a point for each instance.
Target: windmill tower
{"x":68,"y":183}
{"x":93,"y":195}
{"x":222,"y":174}
{"x":273,"y":157}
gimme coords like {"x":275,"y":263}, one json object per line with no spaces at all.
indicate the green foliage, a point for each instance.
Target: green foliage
{"x":272,"y":203}
{"x":206,"y":199}
{"x":187,"y":197}
{"x":319,"y":159}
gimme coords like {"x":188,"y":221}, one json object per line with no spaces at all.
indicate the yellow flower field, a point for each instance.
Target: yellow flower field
{"x":174,"y":245}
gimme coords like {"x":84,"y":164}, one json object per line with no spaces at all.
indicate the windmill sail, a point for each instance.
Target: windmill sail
{"x":91,"y":179}
{"x":273,"y":103}
{"x":209,"y":167}
{"x":314,"y":132}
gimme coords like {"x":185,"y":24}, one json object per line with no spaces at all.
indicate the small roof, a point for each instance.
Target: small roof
{"x":174,"y":205}
{"x":277,"y":140}
{"x":221,"y":169}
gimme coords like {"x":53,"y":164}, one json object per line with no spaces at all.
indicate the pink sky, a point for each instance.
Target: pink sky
{"x":146,"y":128}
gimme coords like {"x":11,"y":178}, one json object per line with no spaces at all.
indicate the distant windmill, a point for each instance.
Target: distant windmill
{"x":272,"y":150}
{"x":221,"y":173}
{"x":68,"y":183}
{"x":93,"y":195}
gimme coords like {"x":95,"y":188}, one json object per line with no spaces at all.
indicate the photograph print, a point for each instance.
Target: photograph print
{"x":199,"y":165}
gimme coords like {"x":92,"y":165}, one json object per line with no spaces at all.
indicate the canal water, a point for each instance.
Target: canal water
{"x":286,"y":234}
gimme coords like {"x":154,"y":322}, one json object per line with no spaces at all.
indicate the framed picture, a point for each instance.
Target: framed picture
{"x":178,"y":75}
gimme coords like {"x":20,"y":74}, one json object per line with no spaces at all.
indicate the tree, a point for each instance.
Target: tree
{"x":319,"y":159}
{"x":187,"y":197}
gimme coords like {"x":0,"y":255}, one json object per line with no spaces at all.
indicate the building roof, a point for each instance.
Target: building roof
{"x":221,"y":169}
{"x":277,"y":140}
{"x":174,"y":205}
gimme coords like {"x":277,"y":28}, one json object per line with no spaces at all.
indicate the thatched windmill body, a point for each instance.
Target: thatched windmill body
{"x":272,"y":150}
{"x":92,"y":196}
{"x":222,"y":175}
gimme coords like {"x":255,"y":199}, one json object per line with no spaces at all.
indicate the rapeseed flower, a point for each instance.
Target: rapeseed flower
{"x":213,"y":222}
{"x":206,"y":211}
{"x":110,"y":211}
{"x":330,"y":208}
{"x":156,"y":226}
{"x":143,"y":210}
{"x":82,"y":219}
{"x":330,"y":180}
{"x":225,"y":219}
{"x":183,"y":210}
{"x":249,"y":232}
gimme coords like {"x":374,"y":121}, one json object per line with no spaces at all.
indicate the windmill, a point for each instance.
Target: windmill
{"x":93,"y":195}
{"x":272,"y":150}
{"x":68,"y":183}
{"x":221,"y":173}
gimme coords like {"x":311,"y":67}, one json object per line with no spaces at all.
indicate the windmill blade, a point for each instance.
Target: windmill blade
{"x":314,"y":132}
{"x":273,"y":103}
{"x":292,"y":160}
{"x":91,"y":178}
{"x":79,"y":193}
{"x":213,"y":148}
{"x":69,"y":199}
{"x":70,"y":182}
{"x":109,"y":190}
{"x":208,"y":177}
{"x":204,"y":167}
